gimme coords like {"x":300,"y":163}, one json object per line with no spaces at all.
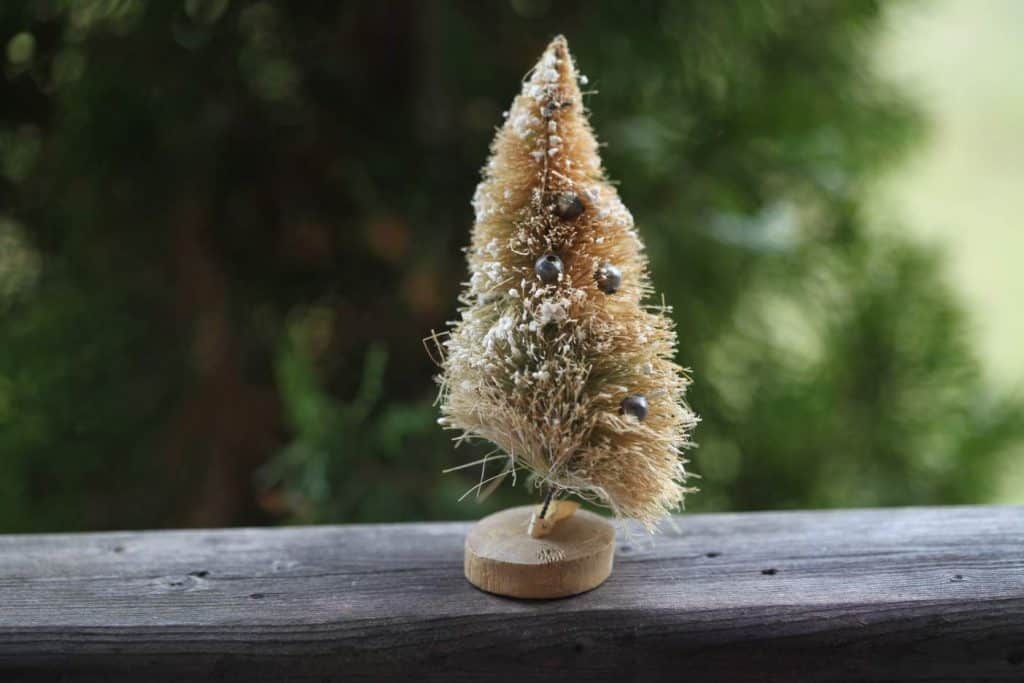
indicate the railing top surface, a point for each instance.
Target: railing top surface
{"x":380,"y":595}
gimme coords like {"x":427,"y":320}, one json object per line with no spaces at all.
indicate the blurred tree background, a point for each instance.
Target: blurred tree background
{"x":225,"y":227}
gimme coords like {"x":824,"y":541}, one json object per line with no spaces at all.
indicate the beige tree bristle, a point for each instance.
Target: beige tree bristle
{"x":541,"y":369}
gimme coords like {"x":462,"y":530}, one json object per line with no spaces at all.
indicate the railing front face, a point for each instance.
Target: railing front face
{"x":842,"y":595}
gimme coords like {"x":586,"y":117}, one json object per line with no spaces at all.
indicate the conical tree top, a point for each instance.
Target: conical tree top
{"x":555,"y":359}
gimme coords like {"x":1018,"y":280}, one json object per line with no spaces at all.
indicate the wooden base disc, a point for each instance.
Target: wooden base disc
{"x":501,"y":557}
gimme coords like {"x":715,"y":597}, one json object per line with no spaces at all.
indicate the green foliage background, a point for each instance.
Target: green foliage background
{"x":225,"y":228}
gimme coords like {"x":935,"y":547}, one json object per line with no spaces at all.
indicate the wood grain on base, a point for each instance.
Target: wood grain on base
{"x":501,"y":557}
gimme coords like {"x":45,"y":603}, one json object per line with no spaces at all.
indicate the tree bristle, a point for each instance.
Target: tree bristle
{"x":540,"y":365}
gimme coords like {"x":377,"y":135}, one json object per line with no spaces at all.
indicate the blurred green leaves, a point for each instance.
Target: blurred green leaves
{"x":20,"y":49}
{"x":83,"y":393}
{"x":363,"y":458}
{"x":226,"y":226}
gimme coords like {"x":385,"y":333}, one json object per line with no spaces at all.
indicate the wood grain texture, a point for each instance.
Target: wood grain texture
{"x":897,"y":594}
{"x":574,"y":557}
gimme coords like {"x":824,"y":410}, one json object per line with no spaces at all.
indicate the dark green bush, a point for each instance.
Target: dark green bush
{"x":244,"y":216}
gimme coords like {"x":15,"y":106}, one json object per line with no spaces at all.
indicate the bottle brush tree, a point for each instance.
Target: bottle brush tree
{"x":556,"y":359}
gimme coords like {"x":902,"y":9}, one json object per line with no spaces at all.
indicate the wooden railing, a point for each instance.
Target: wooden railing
{"x":915,"y":594}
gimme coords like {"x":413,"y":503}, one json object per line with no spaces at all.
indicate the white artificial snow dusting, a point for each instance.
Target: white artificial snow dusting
{"x":523,"y":119}
{"x":524,"y":123}
{"x":500,"y":332}
{"x":486,"y":277}
{"x":483,"y":204}
{"x":552,"y":312}
{"x":547,"y":66}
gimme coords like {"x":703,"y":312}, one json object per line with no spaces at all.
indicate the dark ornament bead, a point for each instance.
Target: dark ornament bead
{"x":549,"y":268}
{"x":609,"y":278}
{"x":635,"y":405}
{"x":568,"y":205}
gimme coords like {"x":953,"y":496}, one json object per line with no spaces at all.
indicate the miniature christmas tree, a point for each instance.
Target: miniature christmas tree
{"x":556,"y":359}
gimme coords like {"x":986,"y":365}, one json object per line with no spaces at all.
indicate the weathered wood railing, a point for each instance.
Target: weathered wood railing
{"x":922,"y":594}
